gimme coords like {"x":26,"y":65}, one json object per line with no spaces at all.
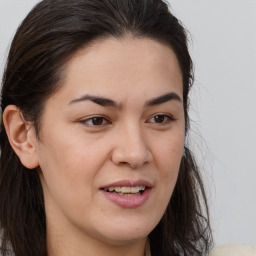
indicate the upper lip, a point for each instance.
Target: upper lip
{"x":128,"y":183}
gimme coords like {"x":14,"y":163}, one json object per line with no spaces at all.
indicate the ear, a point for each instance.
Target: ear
{"x":21,"y":135}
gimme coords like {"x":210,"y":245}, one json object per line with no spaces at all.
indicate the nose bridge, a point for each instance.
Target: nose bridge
{"x":131,"y":146}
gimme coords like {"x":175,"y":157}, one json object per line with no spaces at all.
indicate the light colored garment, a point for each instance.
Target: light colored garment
{"x":233,"y":250}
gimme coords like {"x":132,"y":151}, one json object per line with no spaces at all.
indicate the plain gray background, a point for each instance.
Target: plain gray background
{"x":223,"y":105}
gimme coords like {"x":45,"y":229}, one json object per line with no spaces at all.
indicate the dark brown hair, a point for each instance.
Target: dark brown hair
{"x":50,"y":34}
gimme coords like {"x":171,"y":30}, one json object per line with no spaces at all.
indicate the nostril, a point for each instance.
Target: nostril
{"x":126,"y":164}
{"x":130,"y":157}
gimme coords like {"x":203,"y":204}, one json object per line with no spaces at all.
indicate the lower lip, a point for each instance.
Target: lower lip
{"x":128,"y":201}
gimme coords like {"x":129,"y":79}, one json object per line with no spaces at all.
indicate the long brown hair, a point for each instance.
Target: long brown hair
{"x":46,"y":39}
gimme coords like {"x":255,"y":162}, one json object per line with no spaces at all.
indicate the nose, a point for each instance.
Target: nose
{"x":131,"y":148}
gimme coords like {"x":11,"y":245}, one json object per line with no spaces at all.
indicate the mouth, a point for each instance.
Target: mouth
{"x":128,"y":194}
{"x":127,"y":191}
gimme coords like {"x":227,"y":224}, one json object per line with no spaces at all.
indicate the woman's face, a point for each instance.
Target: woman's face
{"x":111,"y":141}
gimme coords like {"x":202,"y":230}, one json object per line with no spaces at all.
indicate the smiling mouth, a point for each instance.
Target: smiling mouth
{"x":128,"y":194}
{"x":126,"y":191}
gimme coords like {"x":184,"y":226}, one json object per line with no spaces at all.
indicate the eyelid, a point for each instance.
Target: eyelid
{"x":85,"y":121}
{"x":170,"y":118}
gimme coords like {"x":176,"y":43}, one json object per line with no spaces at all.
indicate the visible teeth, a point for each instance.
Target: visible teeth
{"x":127,"y":195}
{"x":126,"y":190}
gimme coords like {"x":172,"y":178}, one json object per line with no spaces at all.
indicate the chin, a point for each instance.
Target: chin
{"x":123,"y":239}
{"x":122,"y":234}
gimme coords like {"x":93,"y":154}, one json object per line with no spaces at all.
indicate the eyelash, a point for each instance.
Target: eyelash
{"x":164,"y":118}
{"x":95,"y":118}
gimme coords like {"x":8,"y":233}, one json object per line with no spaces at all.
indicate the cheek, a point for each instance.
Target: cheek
{"x":167,"y":159}
{"x":169,"y":152}
{"x":67,"y":177}
{"x":70,"y":164}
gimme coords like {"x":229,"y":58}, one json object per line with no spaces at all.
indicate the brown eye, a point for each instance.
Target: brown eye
{"x":95,"y":121}
{"x":161,"y":119}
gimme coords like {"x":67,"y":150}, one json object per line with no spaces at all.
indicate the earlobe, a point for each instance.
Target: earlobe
{"x":21,"y":136}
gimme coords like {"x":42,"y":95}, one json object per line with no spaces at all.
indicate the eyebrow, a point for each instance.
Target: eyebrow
{"x":164,"y":98}
{"x":105,"y":102}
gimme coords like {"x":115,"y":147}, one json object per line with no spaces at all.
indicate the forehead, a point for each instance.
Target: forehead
{"x":114,"y":66}
{"x":122,"y":52}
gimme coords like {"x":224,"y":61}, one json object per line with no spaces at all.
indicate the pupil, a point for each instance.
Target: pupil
{"x":97,"y":120}
{"x":159,"y":119}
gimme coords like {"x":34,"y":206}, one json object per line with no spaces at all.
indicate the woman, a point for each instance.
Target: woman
{"x":95,"y":115}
